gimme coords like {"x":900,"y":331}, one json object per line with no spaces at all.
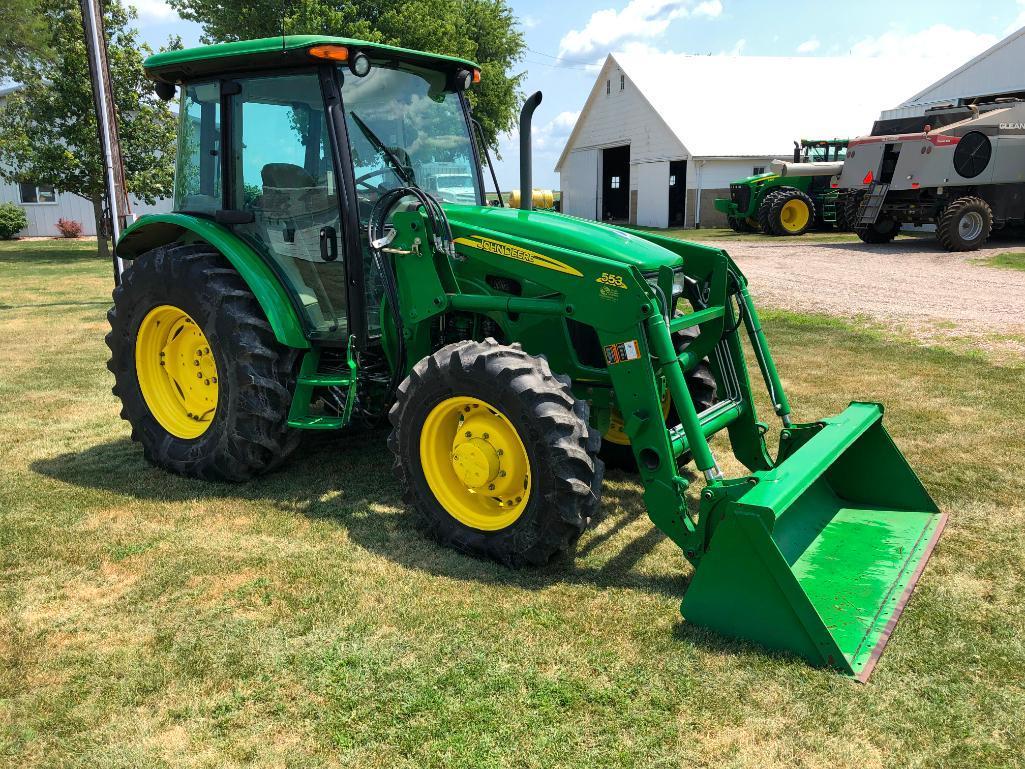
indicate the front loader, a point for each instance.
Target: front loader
{"x":307,"y":281}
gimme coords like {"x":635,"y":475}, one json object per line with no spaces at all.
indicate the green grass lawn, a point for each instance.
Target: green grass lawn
{"x":726,"y":234}
{"x":1011,"y":261}
{"x":300,"y":620}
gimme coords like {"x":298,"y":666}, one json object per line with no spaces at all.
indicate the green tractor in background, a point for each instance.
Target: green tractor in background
{"x":331,"y":264}
{"x":775,"y":205}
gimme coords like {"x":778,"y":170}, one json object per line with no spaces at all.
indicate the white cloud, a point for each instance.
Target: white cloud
{"x":709,"y":8}
{"x":638,"y":19}
{"x":809,"y":46}
{"x":553,"y":134}
{"x":154,"y":10}
{"x":939,"y":41}
{"x":1019,"y":20}
{"x":528,"y":22}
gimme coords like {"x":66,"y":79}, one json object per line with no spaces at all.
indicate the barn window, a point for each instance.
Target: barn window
{"x":672,"y":180}
{"x":758,"y":170}
{"x":615,"y":182}
{"x":622,"y":82}
{"x":37,"y":193}
{"x":608,"y":87}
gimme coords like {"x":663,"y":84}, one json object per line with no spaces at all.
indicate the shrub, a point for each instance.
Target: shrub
{"x":69,"y":228}
{"x":12,"y":220}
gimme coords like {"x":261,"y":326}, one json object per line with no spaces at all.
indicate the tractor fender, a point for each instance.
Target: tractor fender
{"x":154,"y":230}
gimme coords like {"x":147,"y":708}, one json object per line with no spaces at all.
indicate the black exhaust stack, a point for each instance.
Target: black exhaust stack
{"x":526,"y":167}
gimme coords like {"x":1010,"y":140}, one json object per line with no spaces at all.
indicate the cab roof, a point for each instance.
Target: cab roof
{"x":275,"y":52}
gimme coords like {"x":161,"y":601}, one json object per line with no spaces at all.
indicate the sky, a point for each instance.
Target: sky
{"x":567,"y":40}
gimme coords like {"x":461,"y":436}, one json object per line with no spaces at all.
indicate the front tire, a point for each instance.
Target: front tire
{"x":765,"y":212}
{"x":495,"y":454}
{"x":965,"y":224}
{"x":181,"y":312}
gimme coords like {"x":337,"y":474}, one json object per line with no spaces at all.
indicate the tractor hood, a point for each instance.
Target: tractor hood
{"x":537,"y":229}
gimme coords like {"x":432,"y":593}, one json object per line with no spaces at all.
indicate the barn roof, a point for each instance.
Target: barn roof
{"x":756,"y":106}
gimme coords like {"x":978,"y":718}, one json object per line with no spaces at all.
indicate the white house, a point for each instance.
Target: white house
{"x":44,"y":205}
{"x":662,"y":135}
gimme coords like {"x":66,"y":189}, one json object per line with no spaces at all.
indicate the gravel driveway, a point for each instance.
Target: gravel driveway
{"x":911,"y":285}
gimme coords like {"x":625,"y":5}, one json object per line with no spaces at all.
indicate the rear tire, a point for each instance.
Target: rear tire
{"x":965,"y":224}
{"x":564,"y":473}
{"x":248,"y":432}
{"x":791,"y":213}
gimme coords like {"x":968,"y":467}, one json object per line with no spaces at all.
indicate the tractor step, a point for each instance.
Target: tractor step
{"x":317,"y":423}
{"x":310,"y":379}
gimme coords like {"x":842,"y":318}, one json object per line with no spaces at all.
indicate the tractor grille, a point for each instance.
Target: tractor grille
{"x":740,"y":194}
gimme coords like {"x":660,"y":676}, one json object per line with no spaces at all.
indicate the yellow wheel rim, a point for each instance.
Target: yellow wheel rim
{"x":176,"y":371}
{"x":475,"y":463}
{"x":795,"y":215}
{"x":617,"y":432}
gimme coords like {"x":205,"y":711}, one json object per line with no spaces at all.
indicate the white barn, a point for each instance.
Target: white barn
{"x":662,"y":135}
{"x":997,"y":71}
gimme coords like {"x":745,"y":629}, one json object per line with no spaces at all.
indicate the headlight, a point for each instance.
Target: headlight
{"x":679,"y":285}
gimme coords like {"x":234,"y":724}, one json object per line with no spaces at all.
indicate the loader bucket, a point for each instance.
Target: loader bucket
{"x":819,"y":555}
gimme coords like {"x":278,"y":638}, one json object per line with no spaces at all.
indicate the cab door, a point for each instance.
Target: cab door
{"x":284,"y":177}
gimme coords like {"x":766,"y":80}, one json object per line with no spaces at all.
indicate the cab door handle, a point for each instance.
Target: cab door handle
{"x":328,"y":244}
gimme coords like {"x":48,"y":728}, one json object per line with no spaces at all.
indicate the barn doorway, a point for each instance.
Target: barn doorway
{"x":677,"y":192}
{"x":615,"y":186}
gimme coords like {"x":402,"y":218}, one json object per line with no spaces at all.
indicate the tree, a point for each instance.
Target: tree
{"x":22,"y":33}
{"x":481,"y":30}
{"x":48,"y":129}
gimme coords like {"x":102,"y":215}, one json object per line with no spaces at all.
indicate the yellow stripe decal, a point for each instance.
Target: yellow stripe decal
{"x":520,"y":254}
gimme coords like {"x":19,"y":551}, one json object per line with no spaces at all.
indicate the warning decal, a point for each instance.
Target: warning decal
{"x":624,"y":351}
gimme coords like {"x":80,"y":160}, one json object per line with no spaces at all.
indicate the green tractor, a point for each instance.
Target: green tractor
{"x":306,"y":280}
{"x":777,"y":205}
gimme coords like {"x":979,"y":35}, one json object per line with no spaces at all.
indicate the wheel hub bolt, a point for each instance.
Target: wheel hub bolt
{"x":199,"y":375}
{"x":468,"y":434}
{"x":491,"y":487}
{"x":485,"y":436}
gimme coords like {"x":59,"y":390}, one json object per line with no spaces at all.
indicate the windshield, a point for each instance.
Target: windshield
{"x":404,"y":117}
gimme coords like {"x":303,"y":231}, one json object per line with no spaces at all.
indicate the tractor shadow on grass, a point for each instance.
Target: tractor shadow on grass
{"x":347,"y":480}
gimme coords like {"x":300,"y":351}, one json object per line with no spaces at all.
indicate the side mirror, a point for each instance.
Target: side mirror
{"x":164,"y":90}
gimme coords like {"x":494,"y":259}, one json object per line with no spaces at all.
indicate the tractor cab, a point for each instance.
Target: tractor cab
{"x":820,"y":150}
{"x":295,"y":149}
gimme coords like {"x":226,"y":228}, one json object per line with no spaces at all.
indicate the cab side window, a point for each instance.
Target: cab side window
{"x":197,"y":178}
{"x":284,"y":175}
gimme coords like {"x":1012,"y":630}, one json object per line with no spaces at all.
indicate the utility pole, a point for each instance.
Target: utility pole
{"x":117,"y":210}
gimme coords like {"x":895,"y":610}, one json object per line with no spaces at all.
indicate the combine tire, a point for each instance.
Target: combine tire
{"x":791,"y":213}
{"x":765,"y":212}
{"x":965,"y":224}
{"x":883,"y":231}
{"x":494,"y":453}
{"x":202,"y":381}
{"x":615,"y":448}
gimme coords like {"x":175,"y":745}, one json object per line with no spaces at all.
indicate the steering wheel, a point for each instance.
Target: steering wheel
{"x":362,"y":179}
